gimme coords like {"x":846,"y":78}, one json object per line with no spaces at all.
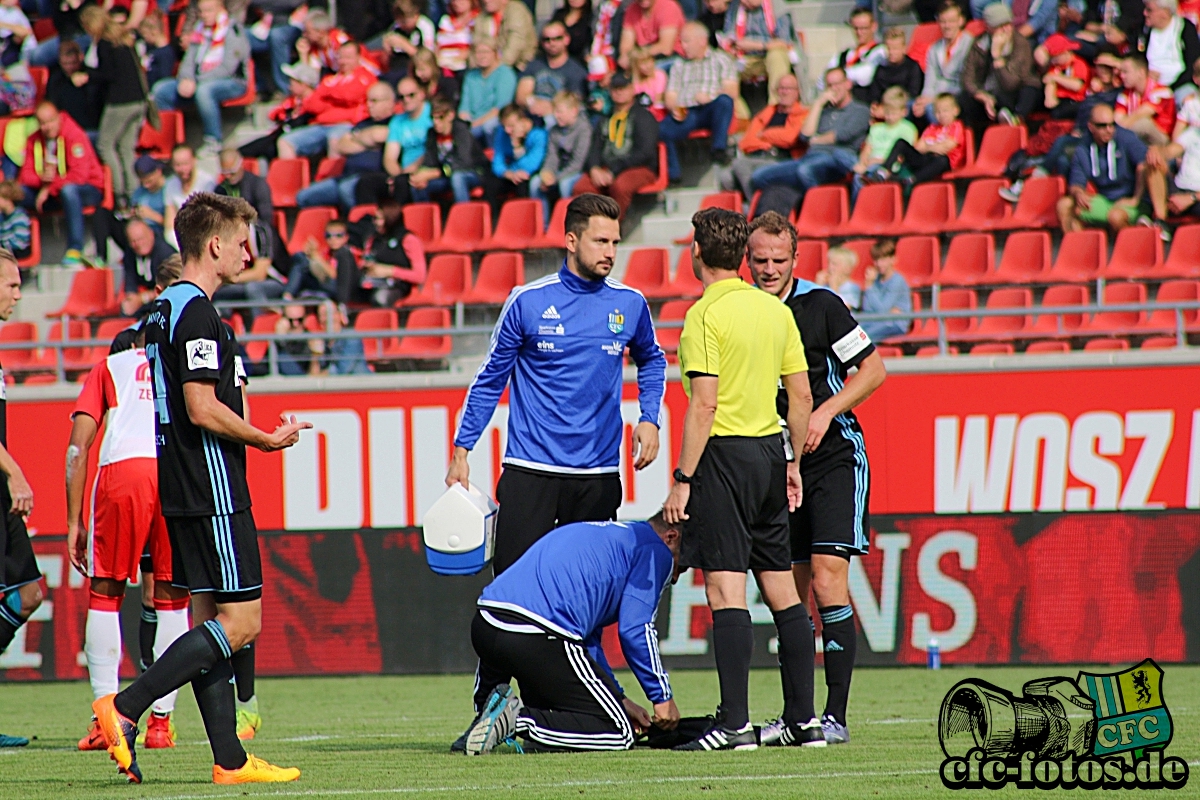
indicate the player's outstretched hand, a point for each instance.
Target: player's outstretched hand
{"x":639,"y":716}
{"x":818,"y":425}
{"x":460,"y":470}
{"x":21,"y":493}
{"x":287,"y":434}
{"x":675,"y":509}
{"x":795,"y":486}
{"x":666,"y":715}
{"x":77,"y":547}
{"x":645,"y":444}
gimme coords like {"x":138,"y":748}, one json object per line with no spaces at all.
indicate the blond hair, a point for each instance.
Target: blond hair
{"x":895,"y":98}
{"x":843,"y":256}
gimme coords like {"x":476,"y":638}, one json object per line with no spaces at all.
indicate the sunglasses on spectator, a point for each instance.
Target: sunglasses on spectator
{"x":335,"y":235}
{"x":552,"y":38}
{"x":1103,"y":124}
{"x":407,"y":95}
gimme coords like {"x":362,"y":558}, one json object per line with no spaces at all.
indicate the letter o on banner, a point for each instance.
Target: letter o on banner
{"x":1046,"y":774}
{"x":1090,"y":773}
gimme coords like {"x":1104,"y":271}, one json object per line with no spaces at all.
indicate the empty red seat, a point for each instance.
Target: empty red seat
{"x":17,"y":331}
{"x":1137,"y":252}
{"x":1159,"y":343}
{"x":668,"y":338}
{"x":499,"y":274}
{"x":878,"y":211}
{"x":1048,"y":347}
{"x":35,"y":246}
{"x":889,"y":351}
{"x":377,"y":319}
{"x":330,"y":167}
{"x":310,"y":224}
{"x":993,"y":349}
{"x":1167,"y":319}
{"x":1005,"y":327}
{"x":812,"y":255}
{"x":264,"y":325}
{"x":932,"y":351}
{"x":1120,"y":294}
{"x":1106,"y":344}
{"x":998,"y":145}
{"x":983,"y":208}
{"x":824,"y":212}
{"x":958,"y":300}
{"x":930,"y":208}
{"x":1184,"y":258}
{"x":448,"y":279}
{"x":730,"y":201}
{"x":1060,"y":324}
{"x":1037,"y":206}
{"x":969,"y":259}
{"x":286,"y":177}
{"x":424,"y":347}
{"x":663,"y":180}
{"x":1081,"y":256}
{"x":424,"y":220}
{"x":90,"y":295}
{"x":159,"y":143}
{"x":556,"y":231}
{"x":1026,"y":259}
{"x":685,"y":283}
{"x":649,"y":270}
{"x":519,"y":226}
{"x":919,"y":259}
{"x":468,"y":228}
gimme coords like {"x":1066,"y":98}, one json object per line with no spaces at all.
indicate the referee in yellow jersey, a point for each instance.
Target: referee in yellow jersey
{"x":734,"y":485}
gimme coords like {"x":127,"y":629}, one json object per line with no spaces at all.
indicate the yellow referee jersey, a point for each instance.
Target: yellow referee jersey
{"x":747,"y":339}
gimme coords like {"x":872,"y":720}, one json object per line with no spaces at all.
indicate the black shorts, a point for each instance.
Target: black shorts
{"x":738,"y":509}
{"x":217,"y":554}
{"x":19,"y":567}
{"x":833,"y":520}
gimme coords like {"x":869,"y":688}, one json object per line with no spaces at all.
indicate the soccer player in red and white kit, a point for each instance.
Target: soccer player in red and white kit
{"x":124,"y":519}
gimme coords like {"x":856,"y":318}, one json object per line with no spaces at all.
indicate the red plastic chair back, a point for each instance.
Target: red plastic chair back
{"x":825,"y":210}
{"x":1184,"y":258}
{"x":969,"y":259}
{"x":1057,"y":297}
{"x":519,"y":226}
{"x":250,"y":95}
{"x":448,"y":279}
{"x":1138,"y":251}
{"x":1175,"y":290}
{"x":1119,"y":294}
{"x":931,"y":208}
{"x":1159,"y":343}
{"x":264,"y":323}
{"x":993,"y":349}
{"x":310,"y":224}
{"x":499,"y":274}
{"x":1081,"y":256}
{"x":958,"y":300}
{"x":17,"y":331}
{"x":648,"y":269}
{"x":984,"y":208}
{"x":91,"y":294}
{"x":467,"y":228}
{"x":35,"y":243}
{"x":879,"y":209}
{"x":159,"y":143}
{"x":286,"y":177}
{"x":556,"y":232}
{"x":1026,"y":258}
{"x":923,"y":37}
{"x":862,"y":247}
{"x":1006,"y":298}
{"x":377,"y":319}
{"x":1048,"y":347}
{"x":668,"y":338}
{"x":330,"y":168}
{"x":1106,"y":344}
{"x":918,"y":259}
{"x":812,"y":256}
{"x":1037,"y":206}
{"x":663,"y":180}
{"x":424,"y":347}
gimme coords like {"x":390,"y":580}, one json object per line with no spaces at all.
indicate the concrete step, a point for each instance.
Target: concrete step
{"x":828,"y":12}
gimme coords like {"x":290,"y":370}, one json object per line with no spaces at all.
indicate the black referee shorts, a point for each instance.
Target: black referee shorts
{"x":18,"y":567}
{"x":217,"y":554}
{"x":738,"y":509}
{"x":833,"y":519}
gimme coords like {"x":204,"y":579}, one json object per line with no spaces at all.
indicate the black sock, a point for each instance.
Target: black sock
{"x":214,"y":695}
{"x":733,"y":645}
{"x":10,"y":621}
{"x":243,"y":672}
{"x":841,"y":642}
{"x":147,"y":628}
{"x":188,"y":657}
{"x":796,"y":654}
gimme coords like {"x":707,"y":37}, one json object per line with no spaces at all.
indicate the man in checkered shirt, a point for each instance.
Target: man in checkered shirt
{"x":700,"y":94}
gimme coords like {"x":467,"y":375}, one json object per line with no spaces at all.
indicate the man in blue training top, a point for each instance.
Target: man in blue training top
{"x":540,"y":622}
{"x":562,"y":340}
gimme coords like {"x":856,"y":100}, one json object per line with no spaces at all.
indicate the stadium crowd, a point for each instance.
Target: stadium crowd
{"x":449,"y":102}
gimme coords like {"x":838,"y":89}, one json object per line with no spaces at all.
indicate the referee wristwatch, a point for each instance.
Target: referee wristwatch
{"x":680,"y":477}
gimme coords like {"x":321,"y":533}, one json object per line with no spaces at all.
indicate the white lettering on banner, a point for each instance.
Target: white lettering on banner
{"x":388,"y":449}
{"x":340,"y":433}
{"x":15,"y":657}
{"x":973,"y":478}
{"x":1156,"y":428}
{"x":941,"y":587}
{"x":1044,"y":434}
{"x":1193,"y":476}
{"x":687,"y":594}
{"x":1096,"y":434}
{"x":431,"y":455}
{"x":878,"y":620}
{"x":1036,"y":450}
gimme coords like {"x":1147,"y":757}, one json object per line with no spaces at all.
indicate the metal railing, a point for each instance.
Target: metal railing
{"x":459,"y":329}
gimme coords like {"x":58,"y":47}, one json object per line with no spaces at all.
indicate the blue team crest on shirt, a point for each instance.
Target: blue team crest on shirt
{"x":616,"y":321}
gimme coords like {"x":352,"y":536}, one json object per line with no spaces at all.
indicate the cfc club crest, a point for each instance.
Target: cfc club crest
{"x":616,"y":321}
{"x":1130,"y":713}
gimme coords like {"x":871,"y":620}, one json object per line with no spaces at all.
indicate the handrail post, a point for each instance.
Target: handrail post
{"x":272,"y":359}
{"x":1180,"y":333}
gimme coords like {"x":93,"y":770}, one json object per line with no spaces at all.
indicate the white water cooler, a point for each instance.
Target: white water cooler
{"x":459,"y":532}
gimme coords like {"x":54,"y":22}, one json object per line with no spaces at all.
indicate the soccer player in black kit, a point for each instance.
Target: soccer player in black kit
{"x":202,"y":437}
{"x":831,"y":524}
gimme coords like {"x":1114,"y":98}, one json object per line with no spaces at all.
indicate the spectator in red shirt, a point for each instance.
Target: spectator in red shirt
{"x":1067,"y":79}
{"x":1144,"y":106}
{"x":653,"y":24}
{"x":60,"y":165}
{"x":339,"y":101}
{"x":939,"y":150}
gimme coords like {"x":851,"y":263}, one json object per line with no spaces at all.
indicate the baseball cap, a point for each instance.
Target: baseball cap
{"x":1058,"y":44}
{"x":997,"y":14}
{"x":302,"y":72}
{"x":620,"y":81}
{"x":146,"y":164}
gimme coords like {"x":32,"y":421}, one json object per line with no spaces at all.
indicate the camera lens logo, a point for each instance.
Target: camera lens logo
{"x":1107,"y":730}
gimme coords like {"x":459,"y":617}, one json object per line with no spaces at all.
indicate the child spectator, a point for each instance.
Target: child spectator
{"x":159,"y":57}
{"x":454,"y":32}
{"x":897,"y":69}
{"x":940,"y":149}
{"x":489,"y":87}
{"x":649,"y":81}
{"x":886,"y":293}
{"x":452,"y":158}
{"x":519,"y":151}
{"x":394,"y":258}
{"x":570,"y":141}
{"x":411,"y":31}
{"x":326,"y":268}
{"x":14,"y":222}
{"x":423,"y":69}
{"x":882,"y":136}
{"x":842,"y":261}
{"x":1067,"y":78}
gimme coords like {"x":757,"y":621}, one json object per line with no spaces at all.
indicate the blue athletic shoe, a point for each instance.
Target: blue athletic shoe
{"x":496,"y":723}
{"x":835,"y":732}
{"x":13,"y":741}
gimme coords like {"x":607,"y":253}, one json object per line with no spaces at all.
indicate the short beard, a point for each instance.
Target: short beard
{"x":588,"y":272}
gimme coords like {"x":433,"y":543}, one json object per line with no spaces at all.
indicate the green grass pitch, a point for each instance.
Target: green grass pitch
{"x":389,"y":736}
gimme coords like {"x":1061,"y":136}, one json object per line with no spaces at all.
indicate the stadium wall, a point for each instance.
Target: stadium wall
{"x":1017,"y":517}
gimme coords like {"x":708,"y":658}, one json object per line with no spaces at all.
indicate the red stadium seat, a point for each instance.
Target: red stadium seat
{"x":286,"y":177}
{"x":1026,"y":259}
{"x":649,"y":271}
{"x":993,"y":349}
{"x":930,"y":209}
{"x":918,"y":259}
{"x":1046,"y":347}
{"x":824,"y":212}
{"x":1166,"y":319}
{"x":448,"y":279}
{"x":91,"y":294}
{"x":468,"y":227}
{"x":998,"y":145}
{"x":1119,"y":294}
{"x":983,"y":208}
{"x":1184,"y":259}
{"x":35,"y":245}
{"x":264,"y":324}
{"x":43,"y":29}
{"x":923,"y":37}
{"x":10,"y":332}
{"x":159,"y":143}
{"x":1159,"y":343}
{"x":377,"y":319}
{"x":1093,"y":345}
{"x":519,"y":226}
{"x":250,"y":165}
{"x":107,"y":331}
{"x":1060,"y":324}
{"x":889,"y":351}
{"x":668,"y":338}
{"x":878,"y":211}
{"x":1137,"y":253}
{"x":663,"y":180}
{"x":969,"y":259}
{"x":499,"y":274}
{"x":249,"y":96}
{"x":310,"y":224}
{"x":1037,"y":207}
{"x":423,"y":219}
{"x":41,"y":77}
{"x":812,"y":256}
{"x":1006,"y":327}
{"x":932,"y":351}
{"x":1081,"y":256}
{"x":958,"y":300}
{"x":730,"y":201}
{"x":424,"y":347}
{"x":685,"y":283}
{"x":330,"y":168}
{"x":556,"y":231}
